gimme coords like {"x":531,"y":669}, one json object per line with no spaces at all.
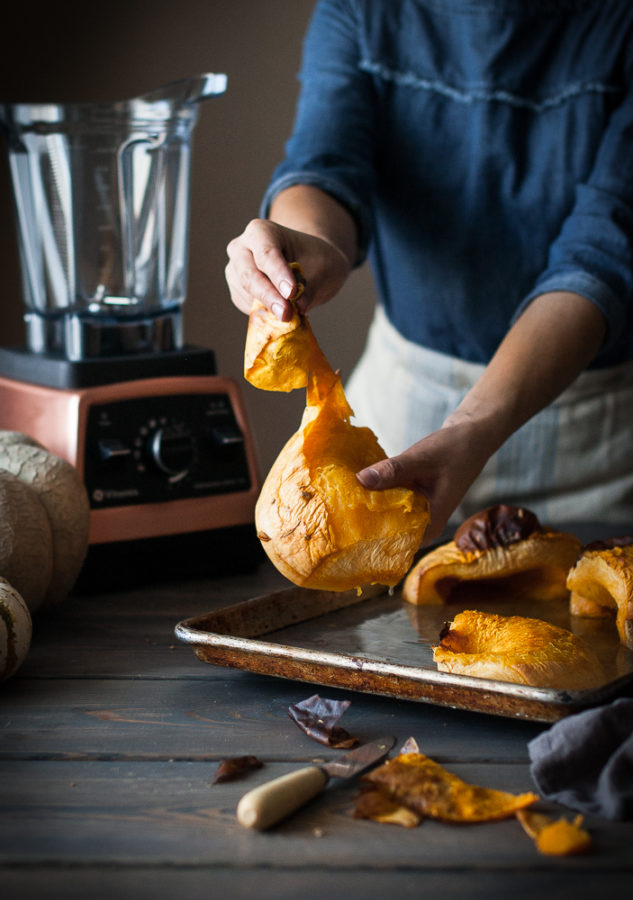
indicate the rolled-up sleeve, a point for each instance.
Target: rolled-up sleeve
{"x":331,"y":146}
{"x":593,"y":252}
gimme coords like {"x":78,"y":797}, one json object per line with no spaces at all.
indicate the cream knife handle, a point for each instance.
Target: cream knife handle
{"x":271,"y":802}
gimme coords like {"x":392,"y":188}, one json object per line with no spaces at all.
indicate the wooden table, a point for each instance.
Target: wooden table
{"x":111,"y":733}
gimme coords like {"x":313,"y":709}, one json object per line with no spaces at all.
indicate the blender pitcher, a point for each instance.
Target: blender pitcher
{"x":102,"y":199}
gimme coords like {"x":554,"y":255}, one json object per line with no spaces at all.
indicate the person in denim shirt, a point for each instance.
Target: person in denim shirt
{"x":479,"y":153}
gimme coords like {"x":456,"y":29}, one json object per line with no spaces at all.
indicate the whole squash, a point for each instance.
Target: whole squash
{"x":15,"y":630}
{"x":61,"y":492}
{"x":319,"y":526}
{"x":26,"y":541}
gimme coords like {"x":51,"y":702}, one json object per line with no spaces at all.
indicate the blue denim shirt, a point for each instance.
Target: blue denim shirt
{"x":485,"y":150}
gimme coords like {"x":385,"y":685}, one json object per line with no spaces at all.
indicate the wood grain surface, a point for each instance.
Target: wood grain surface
{"x":111,"y":733}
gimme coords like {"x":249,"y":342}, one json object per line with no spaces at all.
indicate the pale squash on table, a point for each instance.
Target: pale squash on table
{"x":63,"y":496}
{"x":15,"y":630}
{"x":26,"y":541}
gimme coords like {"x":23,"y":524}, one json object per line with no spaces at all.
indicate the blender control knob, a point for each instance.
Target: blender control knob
{"x":173,"y":449}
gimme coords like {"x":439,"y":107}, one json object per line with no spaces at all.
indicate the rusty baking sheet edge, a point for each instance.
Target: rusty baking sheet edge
{"x":363,"y":674}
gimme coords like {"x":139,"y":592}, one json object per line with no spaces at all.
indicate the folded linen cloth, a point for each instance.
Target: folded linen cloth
{"x":586,"y":761}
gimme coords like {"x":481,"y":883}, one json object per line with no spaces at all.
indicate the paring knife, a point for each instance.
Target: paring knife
{"x":273,"y":801}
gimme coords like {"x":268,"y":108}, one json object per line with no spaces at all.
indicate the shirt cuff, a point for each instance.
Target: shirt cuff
{"x":335,"y":189}
{"x":608,"y":302}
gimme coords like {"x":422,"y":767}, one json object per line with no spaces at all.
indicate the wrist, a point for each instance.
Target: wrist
{"x":310,"y":210}
{"x":482,"y":428}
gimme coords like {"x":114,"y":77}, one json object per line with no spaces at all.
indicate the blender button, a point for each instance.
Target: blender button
{"x":113,"y":449}
{"x":226,"y":437}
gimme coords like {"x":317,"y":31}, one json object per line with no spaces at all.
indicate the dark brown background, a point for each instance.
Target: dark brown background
{"x":109,"y":51}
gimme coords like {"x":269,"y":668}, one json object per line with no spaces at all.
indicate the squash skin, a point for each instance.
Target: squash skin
{"x":424,"y":786}
{"x":317,"y":524}
{"x":601,"y":585}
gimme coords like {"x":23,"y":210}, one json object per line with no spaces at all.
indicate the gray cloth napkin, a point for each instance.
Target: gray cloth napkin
{"x":586,"y":761}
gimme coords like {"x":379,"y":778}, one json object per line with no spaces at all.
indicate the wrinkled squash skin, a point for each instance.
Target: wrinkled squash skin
{"x":318,"y":525}
{"x":426,"y":787}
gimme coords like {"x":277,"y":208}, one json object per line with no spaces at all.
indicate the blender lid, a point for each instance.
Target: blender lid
{"x":159,"y":104}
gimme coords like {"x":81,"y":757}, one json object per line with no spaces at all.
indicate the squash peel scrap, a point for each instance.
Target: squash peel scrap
{"x":318,"y":525}
{"x":419,"y":784}
{"x":279,"y":355}
{"x":555,"y":837}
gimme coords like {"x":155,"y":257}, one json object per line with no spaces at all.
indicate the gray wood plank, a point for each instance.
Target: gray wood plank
{"x":308,"y":883}
{"x":225,"y":713}
{"x":89,"y":813}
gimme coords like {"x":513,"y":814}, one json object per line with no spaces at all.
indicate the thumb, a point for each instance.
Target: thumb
{"x":387,"y":473}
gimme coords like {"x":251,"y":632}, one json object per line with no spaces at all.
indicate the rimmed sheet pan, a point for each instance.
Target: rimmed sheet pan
{"x":377,"y":643}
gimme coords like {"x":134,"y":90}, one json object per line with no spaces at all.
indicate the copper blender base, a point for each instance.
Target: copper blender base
{"x":57,"y":417}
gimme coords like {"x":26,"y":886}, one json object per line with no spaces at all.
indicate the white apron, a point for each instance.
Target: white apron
{"x":572,"y":462}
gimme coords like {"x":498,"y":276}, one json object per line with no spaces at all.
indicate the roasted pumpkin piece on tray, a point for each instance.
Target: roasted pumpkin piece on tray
{"x":601,"y":584}
{"x":318,"y":525}
{"x":517,"y":649}
{"x":503,"y":549}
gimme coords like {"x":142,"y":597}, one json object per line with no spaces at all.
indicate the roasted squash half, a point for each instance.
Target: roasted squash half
{"x":601,"y":584}
{"x":319,"y":526}
{"x":517,"y":649}
{"x":502,"y":549}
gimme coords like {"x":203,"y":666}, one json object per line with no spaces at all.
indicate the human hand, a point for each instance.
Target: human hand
{"x":442,"y":466}
{"x":563,"y":331}
{"x":258,"y":267}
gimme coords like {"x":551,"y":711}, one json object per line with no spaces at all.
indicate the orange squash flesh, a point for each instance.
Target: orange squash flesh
{"x":555,"y":837}
{"x":317,"y":524}
{"x":601,"y":585}
{"x":517,"y":649}
{"x":536,"y":567}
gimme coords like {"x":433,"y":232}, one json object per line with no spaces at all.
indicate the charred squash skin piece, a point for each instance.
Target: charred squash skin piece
{"x":428,"y":789}
{"x":601,"y":584}
{"x":519,"y":650}
{"x":503,"y":547}
{"x":318,"y":525}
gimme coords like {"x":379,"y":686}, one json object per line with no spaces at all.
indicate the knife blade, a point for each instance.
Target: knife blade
{"x":273,"y":801}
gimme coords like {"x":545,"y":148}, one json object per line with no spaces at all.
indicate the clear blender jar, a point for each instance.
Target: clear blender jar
{"x":102,"y":199}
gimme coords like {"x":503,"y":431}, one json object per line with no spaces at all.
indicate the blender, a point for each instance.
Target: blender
{"x":105,"y":379}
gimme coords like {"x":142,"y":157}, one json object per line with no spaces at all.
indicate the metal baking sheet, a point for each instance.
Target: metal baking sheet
{"x":378,"y":643}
